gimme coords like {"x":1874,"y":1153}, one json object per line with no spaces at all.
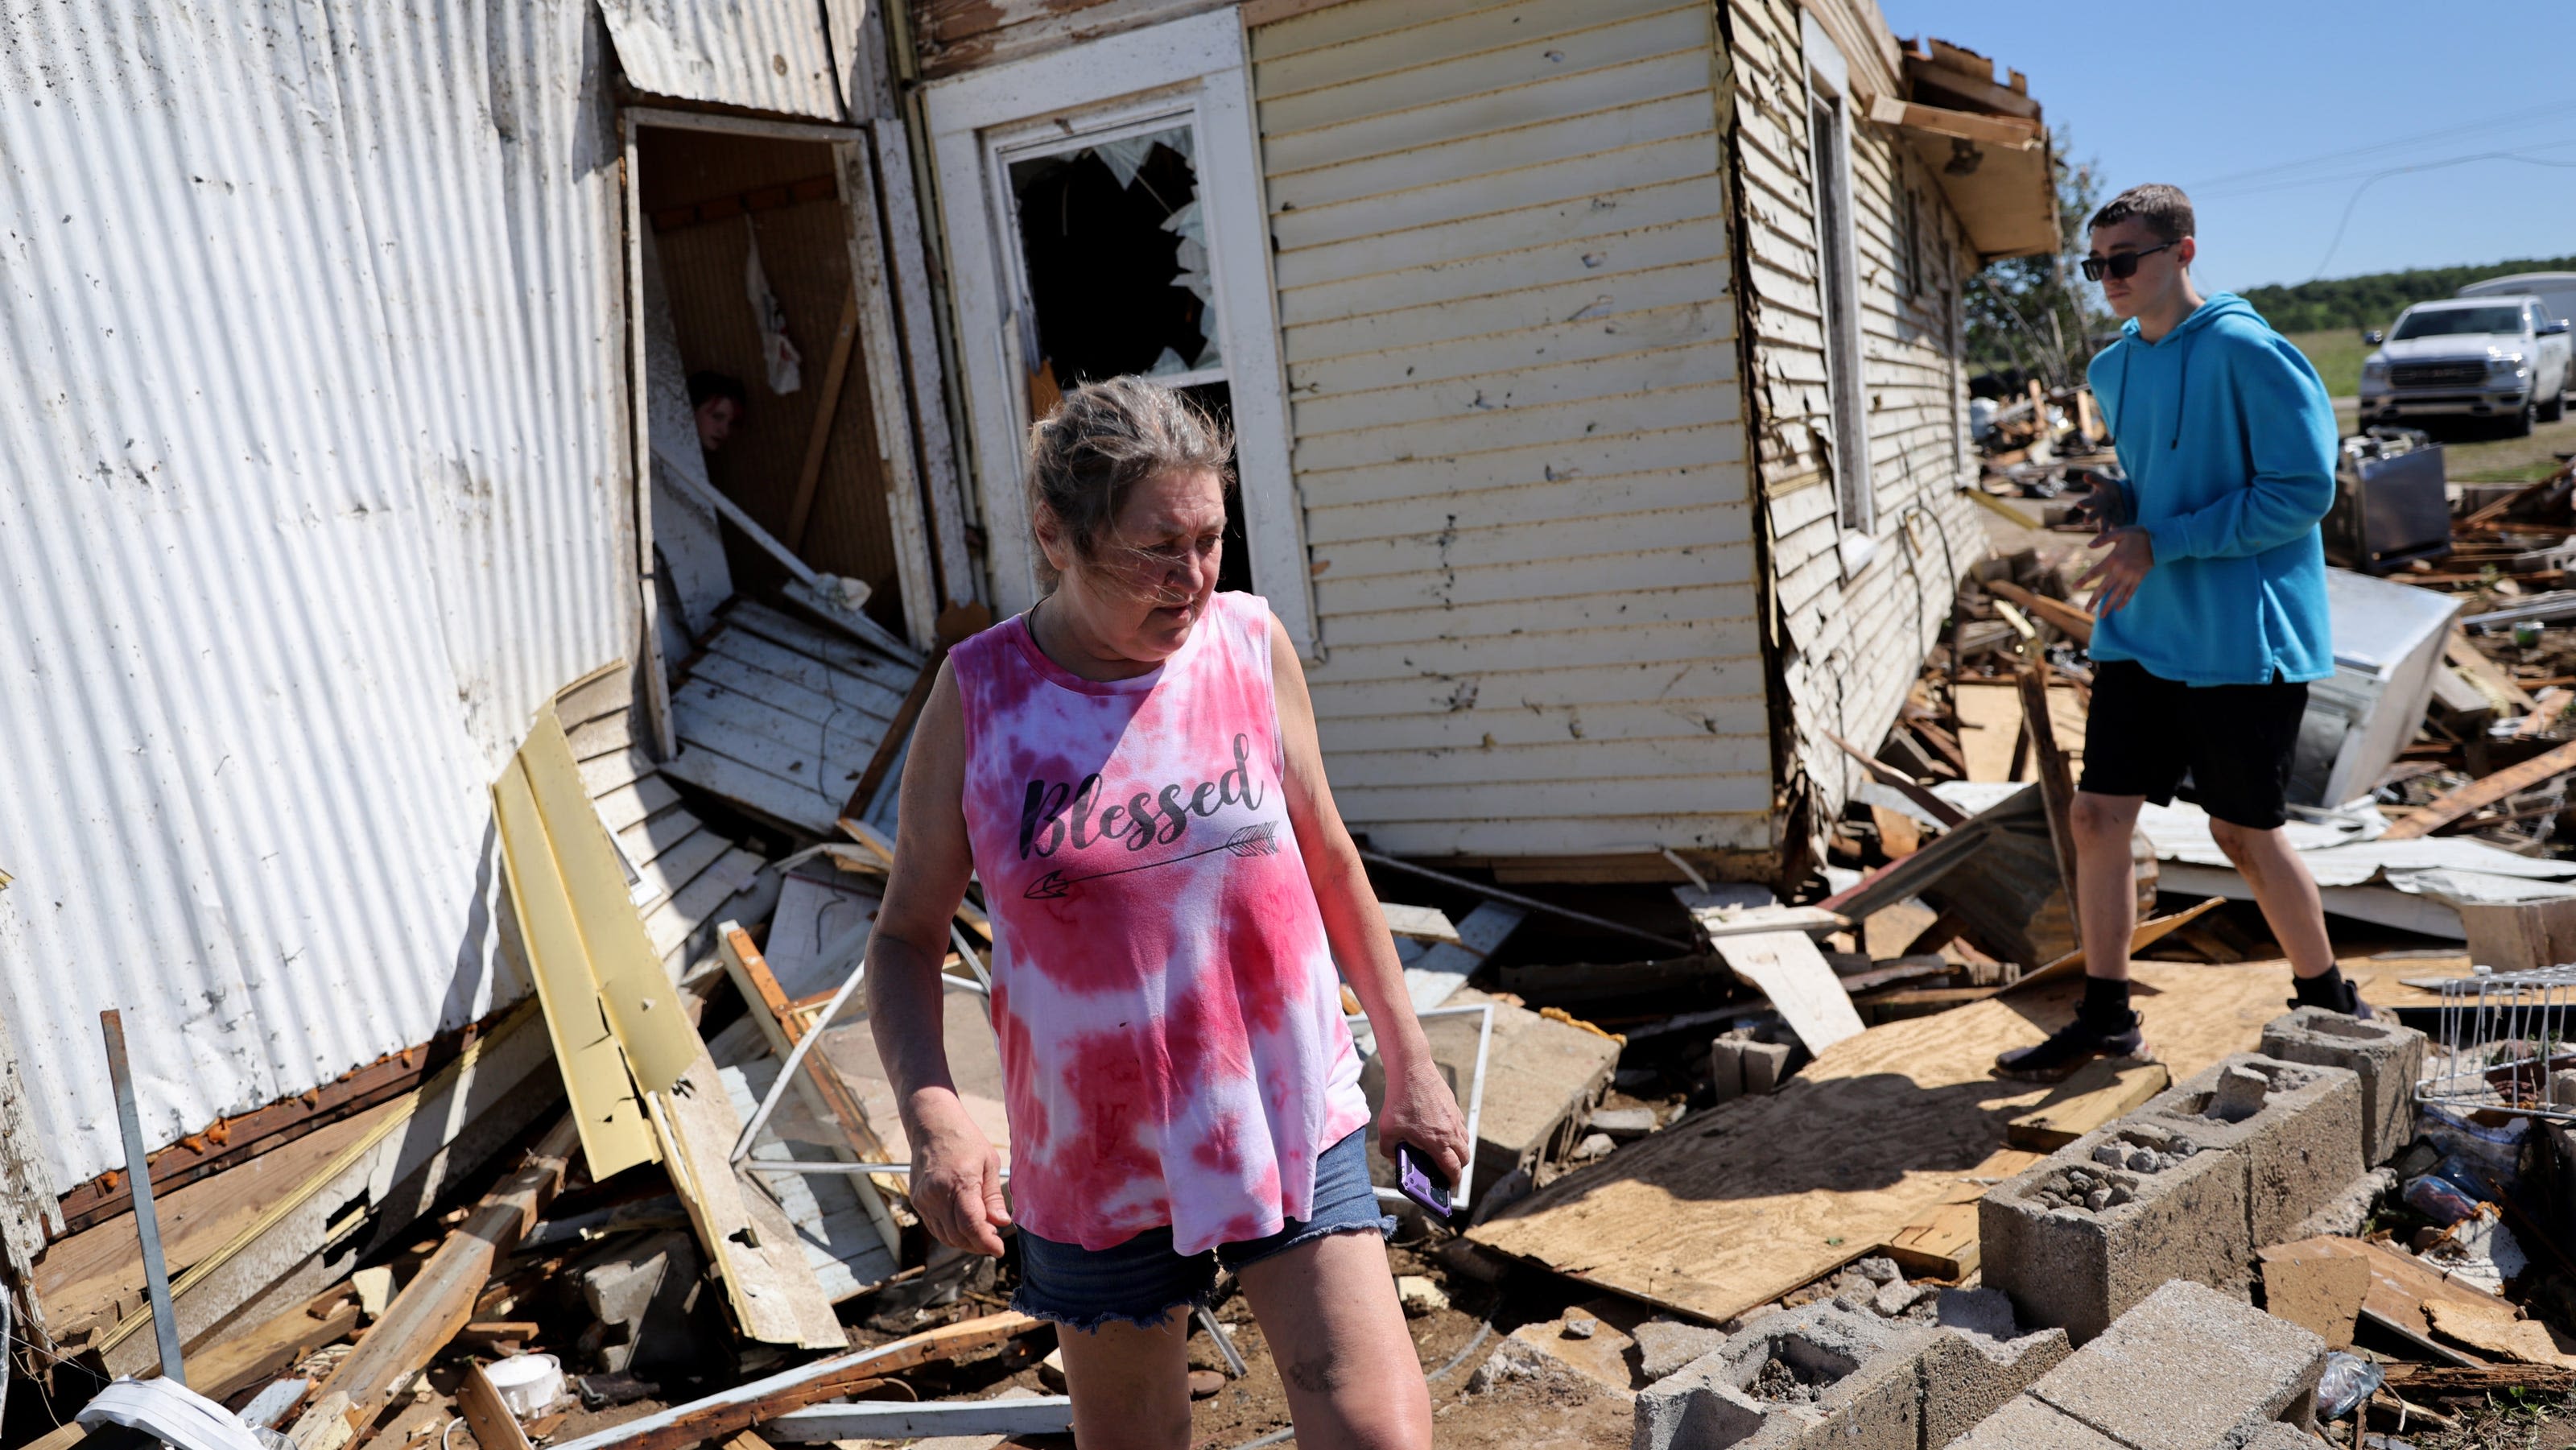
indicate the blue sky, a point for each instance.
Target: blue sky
{"x":2196,"y":93}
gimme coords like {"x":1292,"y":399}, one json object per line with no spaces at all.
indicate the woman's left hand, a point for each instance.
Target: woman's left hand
{"x":1421,"y":1110}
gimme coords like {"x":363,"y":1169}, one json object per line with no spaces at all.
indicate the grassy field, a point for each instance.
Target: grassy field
{"x":2472,"y":453}
{"x":2336,"y":355}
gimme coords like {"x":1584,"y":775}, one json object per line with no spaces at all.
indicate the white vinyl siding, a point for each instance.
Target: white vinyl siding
{"x":1851,"y":645}
{"x":1507,"y":319}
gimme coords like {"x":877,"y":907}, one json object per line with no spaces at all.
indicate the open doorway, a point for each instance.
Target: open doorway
{"x":1112,"y":259}
{"x":748,"y":238}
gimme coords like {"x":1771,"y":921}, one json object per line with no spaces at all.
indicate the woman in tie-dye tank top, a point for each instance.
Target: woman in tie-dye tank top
{"x":1131,"y":770}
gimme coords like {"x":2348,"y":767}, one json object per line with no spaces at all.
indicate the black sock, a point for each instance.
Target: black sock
{"x":2326,"y":989}
{"x":2106,"y":1004}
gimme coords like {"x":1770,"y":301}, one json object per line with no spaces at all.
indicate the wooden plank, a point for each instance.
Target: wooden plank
{"x":889,"y":746}
{"x":439,"y":1300}
{"x":728,"y":1413}
{"x":908,"y":261}
{"x":885,"y":1420}
{"x":2491,"y":680}
{"x":626,"y":806}
{"x":1905,"y":785}
{"x":2056,"y":780}
{"x":834,"y":682}
{"x":753,"y":789}
{"x":2323,"y":1295}
{"x":601,"y":774}
{"x":492,"y":1424}
{"x":841,"y":652}
{"x":1943,"y":1243}
{"x":783,"y":1028}
{"x":1733,"y":1207}
{"x":2010,"y":132}
{"x":684,"y":862}
{"x":1802,"y":988}
{"x":1437,"y":974}
{"x":260,"y":1353}
{"x":733,"y":723}
{"x":2075,"y":621}
{"x":2147,"y":934}
{"x":827,"y":406}
{"x":2098,"y":1092}
{"x":614,"y":1136}
{"x":771,"y":1289}
{"x":674,"y":922}
{"x":2481,"y":793}
{"x":1422,"y":923}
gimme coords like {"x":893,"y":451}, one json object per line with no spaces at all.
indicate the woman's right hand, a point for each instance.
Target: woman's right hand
{"x":957,"y":1181}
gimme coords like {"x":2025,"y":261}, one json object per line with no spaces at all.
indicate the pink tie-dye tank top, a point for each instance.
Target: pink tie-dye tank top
{"x":1173,"y":1050}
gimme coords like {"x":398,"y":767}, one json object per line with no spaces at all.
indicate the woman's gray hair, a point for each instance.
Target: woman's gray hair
{"x":1103,"y":439}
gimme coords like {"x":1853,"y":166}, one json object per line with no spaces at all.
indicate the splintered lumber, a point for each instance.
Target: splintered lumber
{"x":1738,"y":1205}
{"x":1421,"y":923}
{"x":439,"y":1300}
{"x":722,"y":1415}
{"x":2478,"y":794}
{"x":2073,"y":620}
{"x":259,"y":1354}
{"x":1801,"y":985}
{"x":2100,"y":1091}
{"x":494,"y":1427}
{"x":2501,"y":689}
{"x":1894,"y":779}
{"x":1436,"y":975}
{"x":2320,"y":1294}
{"x":2056,"y":781}
{"x":2146,"y":934}
{"x":772,"y":1290}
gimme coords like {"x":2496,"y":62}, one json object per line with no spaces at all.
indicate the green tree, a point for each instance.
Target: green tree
{"x":2037,"y":313}
{"x":2374,"y":300}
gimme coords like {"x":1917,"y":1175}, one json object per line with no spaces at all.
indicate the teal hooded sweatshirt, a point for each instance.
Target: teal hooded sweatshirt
{"x":2229,"y":443}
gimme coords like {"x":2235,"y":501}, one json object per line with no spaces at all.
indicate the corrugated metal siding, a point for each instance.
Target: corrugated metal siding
{"x":1852,"y":647}
{"x":1507,"y":316}
{"x":316,"y":490}
{"x":765,"y":55}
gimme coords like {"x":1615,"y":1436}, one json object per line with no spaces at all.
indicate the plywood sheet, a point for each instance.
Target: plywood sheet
{"x":1735,"y":1206}
{"x":1794,"y":975}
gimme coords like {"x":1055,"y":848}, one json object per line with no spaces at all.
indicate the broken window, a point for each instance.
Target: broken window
{"x":1116,"y":261}
{"x":1115,"y":278}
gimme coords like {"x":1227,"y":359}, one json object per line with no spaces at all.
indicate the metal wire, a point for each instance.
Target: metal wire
{"x":2499,"y":1048}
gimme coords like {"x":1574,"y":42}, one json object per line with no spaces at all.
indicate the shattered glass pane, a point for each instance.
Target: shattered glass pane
{"x":1115,"y":251}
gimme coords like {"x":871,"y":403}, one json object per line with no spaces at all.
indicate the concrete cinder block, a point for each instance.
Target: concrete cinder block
{"x":2388,"y":1059}
{"x":1666,"y":1345}
{"x":639,"y":1298}
{"x":2076,"y":1242}
{"x":1968,"y":1377}
{"x":1815,"y":1377}
{"x":2026,"y":1424}
{"x":2188,"y":1369}
{"x":2300,"y":1141}
{"x":2284,"y":1437}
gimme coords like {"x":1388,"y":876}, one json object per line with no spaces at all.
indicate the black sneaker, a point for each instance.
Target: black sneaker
{"x":2351,"y":1006}
{"x":2070,"y":1047}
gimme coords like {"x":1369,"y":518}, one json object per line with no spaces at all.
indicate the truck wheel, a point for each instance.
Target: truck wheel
{"x":2554,"y":409}
{"x":2519,"y":426}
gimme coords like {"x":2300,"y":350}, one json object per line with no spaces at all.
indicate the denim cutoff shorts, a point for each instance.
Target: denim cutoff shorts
{"x":1142,"y":1280}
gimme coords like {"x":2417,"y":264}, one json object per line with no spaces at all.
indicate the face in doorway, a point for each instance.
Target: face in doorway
{"x":2159,"y":281}
{"x":1143,"y":588}
{"x":716,"y":418}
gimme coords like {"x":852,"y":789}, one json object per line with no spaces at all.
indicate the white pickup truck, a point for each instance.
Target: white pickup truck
{"x":2501,"y":358}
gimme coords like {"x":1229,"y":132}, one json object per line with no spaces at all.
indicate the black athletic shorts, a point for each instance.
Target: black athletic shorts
{"x":2146,"y":733}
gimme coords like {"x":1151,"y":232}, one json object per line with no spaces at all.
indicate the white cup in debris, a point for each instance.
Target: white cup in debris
{"x":527,"y":1383}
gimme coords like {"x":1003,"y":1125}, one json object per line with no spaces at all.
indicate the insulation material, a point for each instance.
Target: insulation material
{"x":765,"y":55}
{"x":317,"y":489}
{"x":777,"y":354}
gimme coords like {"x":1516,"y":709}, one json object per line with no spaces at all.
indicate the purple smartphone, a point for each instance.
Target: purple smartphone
{"x":1420,"y":1181}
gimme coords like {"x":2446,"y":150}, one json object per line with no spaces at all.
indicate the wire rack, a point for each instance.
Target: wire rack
{"x":2500,"y":1050}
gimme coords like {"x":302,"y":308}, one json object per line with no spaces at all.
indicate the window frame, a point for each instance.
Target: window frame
{"x":1196,"y":67}
{"x":1838,"y":251}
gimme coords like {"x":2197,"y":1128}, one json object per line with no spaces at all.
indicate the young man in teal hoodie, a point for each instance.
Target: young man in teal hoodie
{"x":2212,"y":605}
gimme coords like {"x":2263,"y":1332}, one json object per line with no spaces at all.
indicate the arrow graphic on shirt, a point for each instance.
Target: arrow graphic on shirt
{"x":1260,"y":840}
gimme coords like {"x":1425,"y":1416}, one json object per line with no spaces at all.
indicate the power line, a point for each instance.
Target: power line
{"x":2355,"y":199}
{"x":2354,"y":152}
{"x":2363,"y":173}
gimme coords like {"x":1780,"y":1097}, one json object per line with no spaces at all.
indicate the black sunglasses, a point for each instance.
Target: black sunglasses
{"x":2118,"y":264}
